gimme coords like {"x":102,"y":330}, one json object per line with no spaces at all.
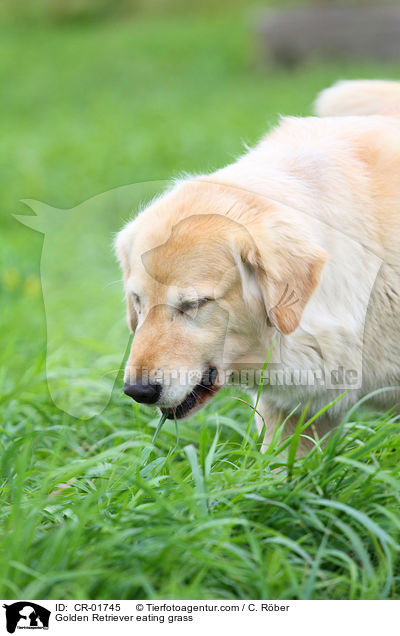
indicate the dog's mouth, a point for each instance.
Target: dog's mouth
{"x":198,"y":396}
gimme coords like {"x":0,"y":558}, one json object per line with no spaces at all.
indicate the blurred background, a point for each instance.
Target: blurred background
{"x":98,"y":94}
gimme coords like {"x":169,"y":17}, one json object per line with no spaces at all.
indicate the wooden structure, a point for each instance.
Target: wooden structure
{"x":330,"y":32}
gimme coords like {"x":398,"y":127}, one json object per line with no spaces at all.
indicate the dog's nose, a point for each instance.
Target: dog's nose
{"x":145,"y":393}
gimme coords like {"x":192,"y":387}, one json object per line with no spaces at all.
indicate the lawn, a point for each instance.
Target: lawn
{"x":88,"y":508}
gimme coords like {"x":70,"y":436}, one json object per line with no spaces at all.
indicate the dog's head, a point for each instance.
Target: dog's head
{"x":210,"y":272}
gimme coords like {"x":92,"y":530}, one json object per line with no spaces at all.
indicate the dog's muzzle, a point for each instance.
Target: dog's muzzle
{"x":201,"y":393}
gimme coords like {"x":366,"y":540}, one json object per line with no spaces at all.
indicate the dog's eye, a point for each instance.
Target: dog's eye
{"x":190,"y":308}
{"x":136,"y":302}
{"x":187,"y":307}
{"x":203,"y":301}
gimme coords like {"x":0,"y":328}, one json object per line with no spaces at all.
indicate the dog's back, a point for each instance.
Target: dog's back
{"x":342,"y":169}
{"x":359,"y":97}
{"x":377,"y":100}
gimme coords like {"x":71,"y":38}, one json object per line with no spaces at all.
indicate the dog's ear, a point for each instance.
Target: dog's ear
{"x":121,"y":245}
{"x":287,"y":269}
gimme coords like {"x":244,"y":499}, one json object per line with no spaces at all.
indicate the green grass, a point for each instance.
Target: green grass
{"x":84,"y":515}
{"x":88,"y":508}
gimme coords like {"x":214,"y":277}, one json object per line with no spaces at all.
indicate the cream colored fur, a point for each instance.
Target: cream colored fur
{"x":298,"y":242}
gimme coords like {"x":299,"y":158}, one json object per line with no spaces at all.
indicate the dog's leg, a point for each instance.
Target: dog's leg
{"x":273,"y":417}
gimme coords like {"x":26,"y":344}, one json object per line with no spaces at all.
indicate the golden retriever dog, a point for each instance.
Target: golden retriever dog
{"x":291,"y":254}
